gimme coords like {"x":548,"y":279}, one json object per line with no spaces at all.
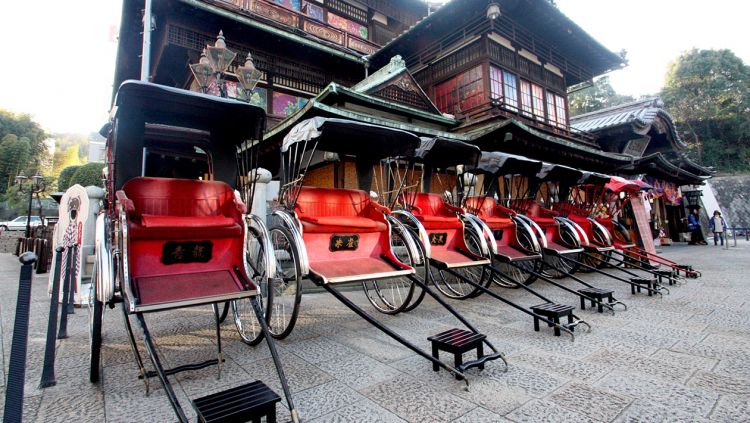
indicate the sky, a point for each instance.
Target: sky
{"x":60,"y":55}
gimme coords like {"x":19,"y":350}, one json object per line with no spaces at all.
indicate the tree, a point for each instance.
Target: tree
{"x":598,"y":96}
{"x":15,"y":154}
{"x":65,"y":157}
{"x":88,"y":174}
{"x":64,"y":180}
{"x":707,"y":93}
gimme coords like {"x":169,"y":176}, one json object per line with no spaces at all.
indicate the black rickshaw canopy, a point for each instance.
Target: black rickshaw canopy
{"x":594,"y":178}
{"x":496,"y":163}
{"x":551,"y":172}
{"x":349,"y":137}
{"x":442,"y":152}
{"x":144,"y":113}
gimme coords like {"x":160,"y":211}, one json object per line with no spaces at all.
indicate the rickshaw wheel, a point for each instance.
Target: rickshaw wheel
{"x":392,"y":295}
{"x":600,"y":259}
{"x":417,"y":299}
{"x":452,"y":286}
{"x":522,"y":274}
{"x":95,"y":308}
{"x":245,"y":318}
{"x":559,"y":263}
{"x":285,"y":291}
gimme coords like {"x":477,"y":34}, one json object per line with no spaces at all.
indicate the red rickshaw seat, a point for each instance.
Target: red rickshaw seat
{"x":324,"y":210}
{"x":160,"y":210}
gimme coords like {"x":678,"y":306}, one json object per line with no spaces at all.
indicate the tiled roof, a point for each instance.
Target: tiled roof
{"x":640,"y":115}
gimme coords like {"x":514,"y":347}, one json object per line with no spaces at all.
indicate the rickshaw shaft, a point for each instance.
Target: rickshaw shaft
{"x":606,"y":274}
{"x":565,"y":288}
{"x":510,"y":303}
{"x":339,"y":296}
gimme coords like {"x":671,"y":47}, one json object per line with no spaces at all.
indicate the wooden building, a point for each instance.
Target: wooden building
{"x":492,"y":72}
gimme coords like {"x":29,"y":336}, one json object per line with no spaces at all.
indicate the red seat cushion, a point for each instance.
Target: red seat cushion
{"x":325,"y":210}
{"x":498,"y":221}
{"x":155,"y":221}
{"x":140,"y":232}
{"x":440,"y":222}
{"x":341,"y":224}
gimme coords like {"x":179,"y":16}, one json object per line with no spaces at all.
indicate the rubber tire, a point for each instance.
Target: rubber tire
{"x":298,"y":291}
{"x":384,"y":307}
{"x":95,"y":335}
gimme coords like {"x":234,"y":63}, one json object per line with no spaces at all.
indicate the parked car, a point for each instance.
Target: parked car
{"x":19,"y":223}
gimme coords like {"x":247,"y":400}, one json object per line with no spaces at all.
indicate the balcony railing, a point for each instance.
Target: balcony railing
{"x":299,"y":21}
{"x":499,"y":106}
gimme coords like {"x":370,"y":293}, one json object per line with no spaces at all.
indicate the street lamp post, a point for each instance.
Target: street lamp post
{"x":213,"y":65}
{"x":35,"y":186}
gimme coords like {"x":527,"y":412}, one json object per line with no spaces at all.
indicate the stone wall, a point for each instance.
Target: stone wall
{"x":733,"y":194}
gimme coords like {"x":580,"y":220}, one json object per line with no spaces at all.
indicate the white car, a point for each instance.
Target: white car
{"x":19,"y":223}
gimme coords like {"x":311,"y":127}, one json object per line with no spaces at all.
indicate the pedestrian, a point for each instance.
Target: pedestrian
{"x":718,"y":226}
{"x":694,"y":224}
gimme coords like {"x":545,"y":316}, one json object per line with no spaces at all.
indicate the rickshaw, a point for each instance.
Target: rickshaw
{"x":618,"y":193}
{"x":590,"y":203}
{"x":515,"y":240}
{"x":433,"y":185}
{"x":338,"y":236}
{"x":535,"y":196}
{"x":176,"y":231}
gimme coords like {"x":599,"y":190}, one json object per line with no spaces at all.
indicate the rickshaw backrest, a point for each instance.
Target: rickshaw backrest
{"x":180,"y":197}
{"x":482,"y":206}
{"x":331,"y":202}
{"x":431,"y":204}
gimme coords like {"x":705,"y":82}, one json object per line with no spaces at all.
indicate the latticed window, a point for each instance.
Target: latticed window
{"x":460,"y":93}
{"x":532,"y":100}
{"x":504,"y":84}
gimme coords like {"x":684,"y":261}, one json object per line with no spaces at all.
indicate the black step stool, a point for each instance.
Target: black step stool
{"x":553,"y":312}
{"x":688,"y":269}
{"x":637,"y":283}
{"x":596,"y":294}
{"x":457,"y":342}
{"x":246,"y":403}
{"x":670,"y":275}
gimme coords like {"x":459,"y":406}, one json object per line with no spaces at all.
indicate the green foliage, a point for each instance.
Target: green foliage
{"x":707,"y":92}
{"x":88,"y":174}
{"x":65,"y":157}
{"x":64,"y":180}
{"x":598,"y":96}
{"x":21,"y":147}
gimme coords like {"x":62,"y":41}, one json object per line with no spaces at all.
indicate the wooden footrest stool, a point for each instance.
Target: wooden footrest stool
{"x":688,"y":269}
{"x":649,"y":283}
{"x":553,"y":312}
{"x":247,"y":403}
{"x":596,"y":294}
{"x":670,"y":275}
{"x":457,"y":342}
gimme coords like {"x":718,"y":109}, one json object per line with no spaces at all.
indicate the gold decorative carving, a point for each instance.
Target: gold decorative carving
{"x":360,"y":45}
{"x":323,"y":32}
{"x":275,"y":13}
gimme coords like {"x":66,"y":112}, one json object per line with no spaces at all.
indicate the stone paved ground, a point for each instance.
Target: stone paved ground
{"x":685,"y":357}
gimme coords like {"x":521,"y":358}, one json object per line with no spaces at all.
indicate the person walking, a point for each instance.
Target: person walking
{"x":718,"y":226}
{"x":694,"y":224}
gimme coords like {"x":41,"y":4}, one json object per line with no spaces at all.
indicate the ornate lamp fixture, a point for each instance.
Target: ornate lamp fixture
{"x":248,"y":76}
{"x":36,"y":186}
{"x":202,"y":72}
{"x":493,"y":11}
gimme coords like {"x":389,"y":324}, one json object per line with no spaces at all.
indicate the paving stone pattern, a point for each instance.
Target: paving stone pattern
{"x":683,"y":357}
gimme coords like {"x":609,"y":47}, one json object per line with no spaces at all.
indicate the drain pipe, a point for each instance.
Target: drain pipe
{"x":366,"y":59}
{"x":146,"y":48}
